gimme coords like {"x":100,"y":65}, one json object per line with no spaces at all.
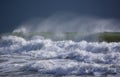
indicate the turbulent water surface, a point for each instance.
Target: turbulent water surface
{"x":37,"y":56}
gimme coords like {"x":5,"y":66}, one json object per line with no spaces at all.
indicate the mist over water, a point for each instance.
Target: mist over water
{"x":70,"y":23}
{"x":39,"y":55}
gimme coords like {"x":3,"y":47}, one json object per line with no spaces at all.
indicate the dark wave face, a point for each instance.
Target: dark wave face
{"x":38,"y":56}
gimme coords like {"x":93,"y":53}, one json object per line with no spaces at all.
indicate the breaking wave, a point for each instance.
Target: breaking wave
{"x":44,"y":56}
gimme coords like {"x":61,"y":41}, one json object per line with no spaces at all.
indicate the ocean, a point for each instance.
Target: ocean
{"x":43,"y":57}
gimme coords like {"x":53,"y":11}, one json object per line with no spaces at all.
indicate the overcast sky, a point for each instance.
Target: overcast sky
{"x":14,"y":12}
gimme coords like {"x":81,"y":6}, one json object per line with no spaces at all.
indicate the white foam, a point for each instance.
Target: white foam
{"x":59,"y":57}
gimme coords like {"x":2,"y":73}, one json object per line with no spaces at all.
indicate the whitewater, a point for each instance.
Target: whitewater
{"x":39,"y":56}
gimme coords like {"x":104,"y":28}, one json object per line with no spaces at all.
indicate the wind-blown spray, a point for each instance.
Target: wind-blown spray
{"x":37,"y":55}
{"x":64,"y":26}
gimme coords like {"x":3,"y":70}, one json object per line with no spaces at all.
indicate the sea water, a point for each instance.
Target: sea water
{"x":41,"y":57}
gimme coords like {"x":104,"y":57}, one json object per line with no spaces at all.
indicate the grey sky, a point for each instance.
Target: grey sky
{"x":14,"y":12}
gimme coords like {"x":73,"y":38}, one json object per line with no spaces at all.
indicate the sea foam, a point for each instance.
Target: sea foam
{"x":67,"y":57}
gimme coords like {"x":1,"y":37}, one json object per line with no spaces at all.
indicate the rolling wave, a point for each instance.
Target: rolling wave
{"x":44,"y":56}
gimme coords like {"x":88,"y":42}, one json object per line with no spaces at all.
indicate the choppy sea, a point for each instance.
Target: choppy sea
{"x":40,"y":57}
